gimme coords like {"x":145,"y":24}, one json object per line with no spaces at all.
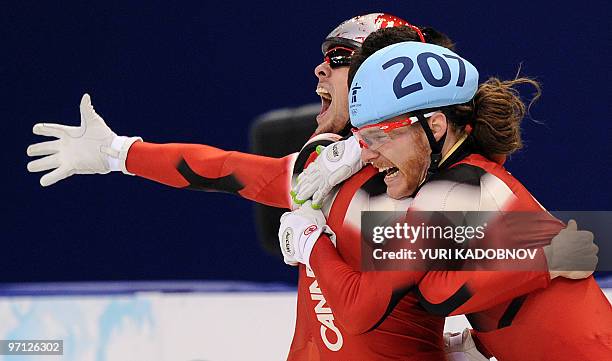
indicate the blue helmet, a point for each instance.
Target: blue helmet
{"x":406,"y":77}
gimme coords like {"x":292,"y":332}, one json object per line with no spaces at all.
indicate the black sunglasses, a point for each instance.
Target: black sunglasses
{"x":338,"y":56}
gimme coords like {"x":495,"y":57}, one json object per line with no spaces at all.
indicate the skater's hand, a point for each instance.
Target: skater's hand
{"x":299,"y":231}
{"x":89,"y":148}
{"x":571,"y":253}
{"x":334,"y":164}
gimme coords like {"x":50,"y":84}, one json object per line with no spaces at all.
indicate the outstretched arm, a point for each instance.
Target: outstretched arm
{"x":93,"y":148}
{"x":200,"y":167}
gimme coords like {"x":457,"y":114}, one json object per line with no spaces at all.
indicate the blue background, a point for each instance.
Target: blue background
{"x":198,"y":72}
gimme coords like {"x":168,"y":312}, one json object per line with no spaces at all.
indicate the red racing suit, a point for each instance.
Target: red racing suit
{"x":350,"y":325}
{"x":321,"y":334}
{"x":410,"y":334}
{"x":569,"y":320}
{"x":201,"y":167}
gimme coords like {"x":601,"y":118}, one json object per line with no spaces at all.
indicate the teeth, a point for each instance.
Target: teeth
{"x":323,"y":93}
{"x":392,"y":175}
{"x":380,"y":170}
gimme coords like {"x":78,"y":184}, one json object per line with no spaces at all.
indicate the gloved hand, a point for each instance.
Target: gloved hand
{"x":335,"y":163}
{"x":299,"y":231}
{"x":461,"y":347}
{"x":89,"y":148}
{"x":571,"y":253}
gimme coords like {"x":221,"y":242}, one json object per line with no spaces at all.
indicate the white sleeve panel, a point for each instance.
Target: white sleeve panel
{"x":495,"y":193}
{"x":447,"y":196}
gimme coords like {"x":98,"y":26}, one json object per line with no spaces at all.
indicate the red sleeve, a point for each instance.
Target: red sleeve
{"x":359,"y":300}
{"x":261,"y":179}
{"x":449,"y":293}
{"x":485,"y":285}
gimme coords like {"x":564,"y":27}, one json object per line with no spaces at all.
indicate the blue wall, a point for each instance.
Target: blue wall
{"x":195,"y":72}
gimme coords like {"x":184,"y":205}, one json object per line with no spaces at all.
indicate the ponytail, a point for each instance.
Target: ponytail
{"x":495,"y":115}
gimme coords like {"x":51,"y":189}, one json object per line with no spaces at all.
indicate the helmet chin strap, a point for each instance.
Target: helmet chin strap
{"x":436,"y":146}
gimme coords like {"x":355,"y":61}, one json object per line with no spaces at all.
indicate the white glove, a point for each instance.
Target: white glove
{"x":299,"y":231}
{"x":335,"y":163}
{"x":571,"y":253}
{"x":461,"y":347}
{"x":89,"y":148}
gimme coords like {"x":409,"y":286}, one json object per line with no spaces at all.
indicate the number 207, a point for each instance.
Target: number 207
{"x":422,"y":61}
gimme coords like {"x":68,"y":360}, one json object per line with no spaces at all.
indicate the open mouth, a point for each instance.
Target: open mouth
{"x":326,"y":99}
{"x":390,"y":172}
